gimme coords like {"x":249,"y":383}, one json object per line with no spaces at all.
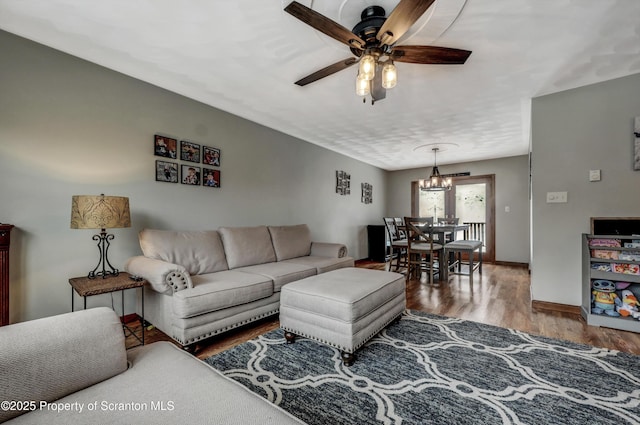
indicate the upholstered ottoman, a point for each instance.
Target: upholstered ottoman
{"x":343,"y":308}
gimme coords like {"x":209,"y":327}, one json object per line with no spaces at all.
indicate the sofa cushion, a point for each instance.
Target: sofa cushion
{"x":280,"y":273}
{"x":217,"y":291}
{"x":197,"y":251}
{"x":323,"y":264}
{"x":291,"y":241}
{"x":246,"y":246}
{"x":346,"y":295}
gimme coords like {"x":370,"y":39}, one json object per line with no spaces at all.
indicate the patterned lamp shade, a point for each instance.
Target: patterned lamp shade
{"x":99,"y":212}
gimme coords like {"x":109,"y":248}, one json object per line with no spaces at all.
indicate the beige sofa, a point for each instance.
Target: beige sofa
{"x":74,"y":369}
{"x":202,"y":283}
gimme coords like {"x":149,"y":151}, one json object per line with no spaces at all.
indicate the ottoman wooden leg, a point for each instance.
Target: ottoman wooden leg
{"x":348,"y":358}
{"x":290,"y":337}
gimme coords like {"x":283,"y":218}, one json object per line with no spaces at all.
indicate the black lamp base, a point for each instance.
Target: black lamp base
{"x":103,"y":240}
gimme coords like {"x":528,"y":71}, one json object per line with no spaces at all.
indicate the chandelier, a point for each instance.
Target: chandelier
{"x":435,"y":182}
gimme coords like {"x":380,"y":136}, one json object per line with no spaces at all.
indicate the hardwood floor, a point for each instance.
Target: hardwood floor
{"x":500,"y":297}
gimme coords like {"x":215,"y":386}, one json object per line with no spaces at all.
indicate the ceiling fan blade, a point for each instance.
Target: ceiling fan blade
{"x":325,"y":72}
{"x":324,"y":25}
{"x":406,"y":13}
{"x":429,"y":55}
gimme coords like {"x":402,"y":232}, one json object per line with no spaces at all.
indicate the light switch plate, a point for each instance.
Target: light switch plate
{"x":594,"y":175}
{"x":556,"y":197}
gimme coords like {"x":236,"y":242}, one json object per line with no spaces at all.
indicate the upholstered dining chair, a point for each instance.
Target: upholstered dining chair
{"x":423,"y":254}
{"x":398,"y":241}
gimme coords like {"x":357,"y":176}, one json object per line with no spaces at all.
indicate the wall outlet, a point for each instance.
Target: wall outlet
{"x":556,"y":197}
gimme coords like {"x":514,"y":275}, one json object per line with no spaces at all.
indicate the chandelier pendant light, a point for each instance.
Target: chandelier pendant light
{"x":435,"y":182}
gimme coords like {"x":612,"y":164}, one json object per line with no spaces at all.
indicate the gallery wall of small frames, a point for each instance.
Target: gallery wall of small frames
{"x":186,"y":172}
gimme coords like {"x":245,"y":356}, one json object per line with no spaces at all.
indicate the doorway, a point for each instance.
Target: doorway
{"x":471,"y":199}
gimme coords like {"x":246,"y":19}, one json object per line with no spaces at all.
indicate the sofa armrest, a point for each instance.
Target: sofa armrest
{"x":162,"y":276}
{"x":327,"y":249}
{"x":46,"y":359}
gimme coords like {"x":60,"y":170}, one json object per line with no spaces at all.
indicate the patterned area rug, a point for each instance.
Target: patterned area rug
{"x":429,"y":369}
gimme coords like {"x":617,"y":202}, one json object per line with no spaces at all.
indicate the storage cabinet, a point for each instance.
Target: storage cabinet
{"x":379,"y":246}
{"x":5,"y":241}
{"x":615,"y":263}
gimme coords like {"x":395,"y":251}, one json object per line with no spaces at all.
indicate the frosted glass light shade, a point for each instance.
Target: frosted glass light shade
{"x":367,"y":67}
{"x":389,"y":75}
{"x":362,"y":86}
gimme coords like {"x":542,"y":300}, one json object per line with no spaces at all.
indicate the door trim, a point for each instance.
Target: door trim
{"x":490,"y":181}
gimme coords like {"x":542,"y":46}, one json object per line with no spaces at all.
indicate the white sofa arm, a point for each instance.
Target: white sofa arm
{"x":46,"y":359}
{"x":327,"y":249}
{"x":162,"y":276}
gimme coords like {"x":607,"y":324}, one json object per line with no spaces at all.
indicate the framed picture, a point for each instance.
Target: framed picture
{"x":211,"y":156}
{"x":190,"y":175}
{"x":367,"y":193}
{"x":210,"y":177}
{"x":165,"y":146}
{"x":343,"y":183}
{"x":189,"y":151}
{"x":166,"y":171}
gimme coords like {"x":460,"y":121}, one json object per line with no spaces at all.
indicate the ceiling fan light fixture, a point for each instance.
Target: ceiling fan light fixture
{"x":363,"y":87}
{"x":367,"y":67}
{"x":389,"y":75}
{"x":373,"y":43}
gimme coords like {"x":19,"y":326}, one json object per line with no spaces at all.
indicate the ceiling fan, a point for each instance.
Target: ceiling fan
{"x":372,"y":41}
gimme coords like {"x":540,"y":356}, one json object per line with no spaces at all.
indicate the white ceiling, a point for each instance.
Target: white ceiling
{"x":242,"y":56}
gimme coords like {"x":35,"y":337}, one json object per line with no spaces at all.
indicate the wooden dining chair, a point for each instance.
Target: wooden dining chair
{"x":398,"y":243}
{"x":423,"y":253}
{"x":400,"y":227}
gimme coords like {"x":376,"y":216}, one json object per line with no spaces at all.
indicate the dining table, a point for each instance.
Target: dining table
{"x":440,"y":231}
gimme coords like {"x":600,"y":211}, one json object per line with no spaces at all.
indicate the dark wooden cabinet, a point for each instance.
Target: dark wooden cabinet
{"x":5,"y":241}
{"x":379,"y":249}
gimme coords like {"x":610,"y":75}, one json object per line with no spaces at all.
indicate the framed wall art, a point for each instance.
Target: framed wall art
{"x":210,"y":177}
{"x":211,"y":156}
{"x":166,"y":171}
{"x":189,"y":151}
{"x":165,"y":146}
{"x":190,"y":175}
{"x":367,"y":193}
{"x":343,"y":183}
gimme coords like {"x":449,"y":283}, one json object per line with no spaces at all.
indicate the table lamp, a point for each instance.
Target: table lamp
{"x":100,"y":212}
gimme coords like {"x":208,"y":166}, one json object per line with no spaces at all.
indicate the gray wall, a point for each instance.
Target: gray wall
{"x":69,"y":127}
{"x":573,"y":132}
{"x":512,"y":179}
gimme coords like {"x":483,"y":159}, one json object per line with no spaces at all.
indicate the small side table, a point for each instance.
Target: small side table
{"x":86,"y":287}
